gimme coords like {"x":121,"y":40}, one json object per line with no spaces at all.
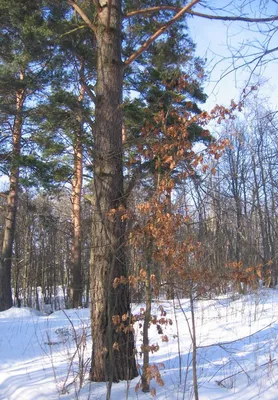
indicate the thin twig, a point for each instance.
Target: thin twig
{"x":219,"y":383}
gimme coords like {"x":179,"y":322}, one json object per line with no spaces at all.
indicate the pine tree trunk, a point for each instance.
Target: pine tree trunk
{"x":77,"y":285}
{"x":113,"y":342}
{"x":9,"y":229}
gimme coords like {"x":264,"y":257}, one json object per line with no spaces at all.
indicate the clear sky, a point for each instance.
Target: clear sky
{"x":217,"y":41}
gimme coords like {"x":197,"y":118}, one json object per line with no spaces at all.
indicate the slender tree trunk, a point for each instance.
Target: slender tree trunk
{"x":146,"y":351}
{"x":113,"y":342}
{"x":15,"y":276}
{"x":194,"y":347}
{"x":9,"y":229}
{"x":77,"y":285}
{"x":169,"y":271}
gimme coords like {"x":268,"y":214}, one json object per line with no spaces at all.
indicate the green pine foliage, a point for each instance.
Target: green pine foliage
{"x":50,"y":41}
{"x":45,"y":41}
{"x":27,"y":45}
{"x":167,"y":79}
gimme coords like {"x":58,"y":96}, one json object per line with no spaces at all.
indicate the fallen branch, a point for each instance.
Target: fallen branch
{"x":219,"y":383}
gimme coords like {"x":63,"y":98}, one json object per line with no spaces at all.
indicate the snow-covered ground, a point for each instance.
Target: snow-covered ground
{"x":40,"y":355}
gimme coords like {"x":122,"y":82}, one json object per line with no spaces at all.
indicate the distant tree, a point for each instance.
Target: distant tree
{"x":62,"y":124}
{"x":23,"y":54}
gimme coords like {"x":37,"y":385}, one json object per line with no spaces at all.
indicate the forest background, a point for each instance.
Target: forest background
{"x":120,"y":186}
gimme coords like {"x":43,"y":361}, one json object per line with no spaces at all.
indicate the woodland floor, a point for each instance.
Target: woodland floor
{"x":41,"y":356}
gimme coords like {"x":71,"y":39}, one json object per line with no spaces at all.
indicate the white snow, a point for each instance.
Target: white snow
{"x":41,"y":355}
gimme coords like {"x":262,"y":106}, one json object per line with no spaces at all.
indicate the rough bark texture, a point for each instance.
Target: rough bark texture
{"x":113,"y":343}
{"x":76,"y":285}
{"x":9,"y":229}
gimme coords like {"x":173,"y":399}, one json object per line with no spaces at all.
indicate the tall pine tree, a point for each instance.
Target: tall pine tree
{"x":24,"y":54}
{"x":65,"y":123}
{"x":113,"y":342}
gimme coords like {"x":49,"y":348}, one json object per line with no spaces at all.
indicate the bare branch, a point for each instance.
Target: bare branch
{"x":233,"y":18}
{"x":73,"y":30}
{"x":160,"y":31}
{"x":219,"y":383}
{"x":256,"y":58}
{"x":82,"y":15}
{"x":88,"y":90}
{"x":85,"y":86}
{"x":2,"y":139}
{"x":151,"y":10}
{"x":5,"y":156}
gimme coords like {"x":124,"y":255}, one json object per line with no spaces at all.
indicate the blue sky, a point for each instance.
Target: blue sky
{"x":216,"y":41}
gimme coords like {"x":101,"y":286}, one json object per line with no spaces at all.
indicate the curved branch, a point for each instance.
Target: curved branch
{"x":257,"y":57}
{"x":151,"y":10}
{"x":160,"y":31}
{"x":231,"y":18}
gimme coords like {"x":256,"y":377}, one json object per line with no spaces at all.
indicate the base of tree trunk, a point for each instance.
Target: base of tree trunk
{"x":118,"y":366}
{"x":6,"y":300}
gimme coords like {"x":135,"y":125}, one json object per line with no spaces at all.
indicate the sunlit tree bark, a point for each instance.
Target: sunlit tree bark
{"x":9,"y":229}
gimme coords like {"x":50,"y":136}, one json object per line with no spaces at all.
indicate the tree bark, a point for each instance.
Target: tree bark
{"x":194,"y":346}
{"x":76,"y":284}
{"x":147,"y":319}
{"x":9,"y":229}
{"x":113,"y":341}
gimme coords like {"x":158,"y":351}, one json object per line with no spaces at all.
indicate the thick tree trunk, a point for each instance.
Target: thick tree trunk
{"x":76,"y":284}
{"x":113,"y":342}
{"x":9,"y":229}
